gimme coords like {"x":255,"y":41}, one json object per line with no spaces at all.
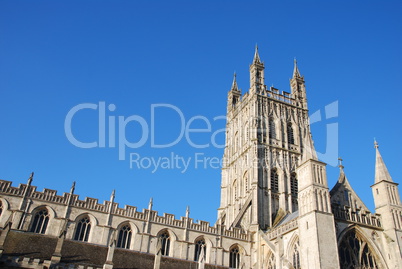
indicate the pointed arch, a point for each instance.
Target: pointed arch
{"x":274,"y":180}
{"x":293,"y":184}
{"x":84,"y":225}
{"x":200,"y":246}
{"x":40,"y":220}
{"x":164,"y":236}
{"x":124,"y":235}
{"x":270,"y":261}
{"x":356,"y":250}
{"x":293,"y":251}
{"x":234,"y":257}
{"x":271,"y":128}
{"x":168,"y":238}
{"x":246,"y":182}
{"x":290,"y":132}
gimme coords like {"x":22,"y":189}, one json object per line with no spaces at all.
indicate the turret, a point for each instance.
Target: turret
{"x":388,"y":204}
{"x":234,"y":94}
{"x":256,"y":73}
{"x":298,"y":87}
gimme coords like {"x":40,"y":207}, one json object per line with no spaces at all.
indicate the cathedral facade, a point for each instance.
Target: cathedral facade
{"x":276,"y":209}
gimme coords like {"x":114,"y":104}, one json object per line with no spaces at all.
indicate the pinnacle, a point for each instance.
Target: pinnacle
{"x":296,"y":73}
{"x":234,"y":84}
{"x":381,"y":171}
{"x":256,"y":55}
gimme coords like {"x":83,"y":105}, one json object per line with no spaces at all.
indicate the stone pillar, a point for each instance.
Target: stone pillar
{"x":109,"y":258}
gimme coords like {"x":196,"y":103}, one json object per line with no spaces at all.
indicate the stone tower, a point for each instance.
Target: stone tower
{"x":263,"y":148}
{"x":317,"y":235}
{"x":388,"y":205}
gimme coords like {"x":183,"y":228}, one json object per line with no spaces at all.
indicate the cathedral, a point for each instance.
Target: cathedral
{"x":276,"y":209}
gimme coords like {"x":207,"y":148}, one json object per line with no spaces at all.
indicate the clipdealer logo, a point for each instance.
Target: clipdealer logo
{"x":147,"y":131}
{"x":113,"y":133}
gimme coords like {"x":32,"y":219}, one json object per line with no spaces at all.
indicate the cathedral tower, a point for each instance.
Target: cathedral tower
{"x":388,"y":205}
{"x":263,"y":148}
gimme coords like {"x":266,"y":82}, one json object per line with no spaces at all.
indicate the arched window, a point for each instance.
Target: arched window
{"x":293,"y":184}
{"x":234,"y":258}
{"x":83,"y":229}
{"x":40,"y":222}
{"x":165,"y":243}
{"x":274,"y":180}
{"x":291,"y":138}
{"x":124,"y":239}
{"x":271,"y":128}
{"x":354,"y":252}
{"x":296,"y":256}
{"x":245,"y":182}
{"x":271,"y":262}
{"x":199,"y":245}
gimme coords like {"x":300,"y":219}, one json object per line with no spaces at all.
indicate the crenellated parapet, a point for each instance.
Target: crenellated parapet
{"x":362,"y":217}
{"x":129,"y":212}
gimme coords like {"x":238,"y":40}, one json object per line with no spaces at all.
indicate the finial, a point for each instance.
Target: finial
{"x":150,"y":203}
{"x":340,"y":163}
{"x":376,"y":144}
{"x":234,"y":83}
{"x":72,"y":188}
{"x":112,"y":195}
{"x":30,"y":179}
{"x":187,"y":211}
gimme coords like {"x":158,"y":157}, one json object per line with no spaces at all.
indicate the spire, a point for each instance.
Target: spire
{"x":72,"y":188}
{"x":234,"y":84}
{"x":112,"y":196}
{"x":296,"y":73}
{"x":256,"y":56}
{"x":309,"y":152}
{"x":30,"y":179}
{"x":381,"y":171}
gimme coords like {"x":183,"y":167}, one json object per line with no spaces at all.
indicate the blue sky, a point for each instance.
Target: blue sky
{"x":56,"y":55}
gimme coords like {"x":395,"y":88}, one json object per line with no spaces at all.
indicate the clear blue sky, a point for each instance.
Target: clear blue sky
{"x":55,"y":55}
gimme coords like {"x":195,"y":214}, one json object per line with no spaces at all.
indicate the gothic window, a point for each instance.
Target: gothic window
{"x":291,"y":138}
{"x":124,"y":239}
{"x":271,"y":262}
{"x":83,"y":229}
{"x":234,"y":258}
{"x":1,"y":208}
{"x":354,"y":252}
{"x":293,"y":184}
{"x":271,"y":128}
{"x":274,"y":180}
{"x":165,"y":240}
{"x":40,"y":222}
{"x":296,"y":256}
{"x":199,"y":245}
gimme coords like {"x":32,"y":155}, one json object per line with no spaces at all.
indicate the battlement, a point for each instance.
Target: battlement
{"x":107,"y":207}
{"x":346,"y":213}
{"x":282,"y":229}
{"x":274,"y":93}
